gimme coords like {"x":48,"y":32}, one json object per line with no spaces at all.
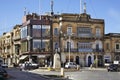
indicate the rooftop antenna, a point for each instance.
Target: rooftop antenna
{"x":52,"y":7}
{"x":25,"y":10}
{"x":39,"y":9}
{"x":84,"y":7}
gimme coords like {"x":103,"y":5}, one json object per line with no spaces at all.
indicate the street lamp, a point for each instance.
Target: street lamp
{"x":69,"y":47}
{"x":70,"y":44}
{"x":29,"y":38}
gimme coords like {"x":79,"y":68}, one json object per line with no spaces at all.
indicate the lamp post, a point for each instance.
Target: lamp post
{"x":97,"y":52}
{"x":69,"y":47}
{"x":29,"y":38}
{"x":60,"y":36}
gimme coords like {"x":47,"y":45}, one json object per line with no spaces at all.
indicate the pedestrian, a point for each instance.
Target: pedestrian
{"x":22,"y":67}
{"x":91,"y":66}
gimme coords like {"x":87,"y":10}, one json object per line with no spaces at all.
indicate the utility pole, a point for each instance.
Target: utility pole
{"x":51,"y":32}
{"x":80,"y":6}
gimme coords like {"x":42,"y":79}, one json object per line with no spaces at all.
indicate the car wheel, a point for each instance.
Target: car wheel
{"x":68,"y":67}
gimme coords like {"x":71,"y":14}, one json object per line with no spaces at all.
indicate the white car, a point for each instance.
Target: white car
{"x":4,"y":65}
{"x":70,"y":65}
{"x":29,"y":65}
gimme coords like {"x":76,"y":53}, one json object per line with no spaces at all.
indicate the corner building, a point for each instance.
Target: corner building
{"x":35,"y":39}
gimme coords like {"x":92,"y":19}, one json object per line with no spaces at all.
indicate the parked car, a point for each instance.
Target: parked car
{"x":4,"y":65}
{"x":70,"y":65}
{"x":113,"y":67}
{"x":33,"y":65}
{"x":28,"y":65}
{"x":3,"y":74}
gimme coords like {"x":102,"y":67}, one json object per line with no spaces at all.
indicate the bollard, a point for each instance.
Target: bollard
{"x":62,"y":72}
{"x":78,"y":67}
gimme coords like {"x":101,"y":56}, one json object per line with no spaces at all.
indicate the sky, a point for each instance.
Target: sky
{"x":12,"y":11}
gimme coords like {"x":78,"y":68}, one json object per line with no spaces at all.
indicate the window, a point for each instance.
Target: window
{"x":37,"y":30}
{"x":117,"y":46}
{"x":98,"y":32}
{"x":36,"y":27}
{"x":55,"y":31}
{"x":97,"y":47}
{"x":24,"y":32}
{"x":23,"y":46}
{"x":56,"y":45}
{"x":107,"y":46}
{"x":84,"y":31}
{"x":85,"y":47}
{"x":68,"y":46}
{"x":69,"y":31}
{"x":38,"y":44}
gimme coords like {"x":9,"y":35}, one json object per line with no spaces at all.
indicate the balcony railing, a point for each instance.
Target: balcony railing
{"x":83,"y":35}
{"x":71,"y":50}
{"x":98,"y":50}
{"x":82,"y":50}
{"x":117,"y":50}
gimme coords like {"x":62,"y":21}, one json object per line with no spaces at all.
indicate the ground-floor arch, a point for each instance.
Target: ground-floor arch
{"x":89,"y":59}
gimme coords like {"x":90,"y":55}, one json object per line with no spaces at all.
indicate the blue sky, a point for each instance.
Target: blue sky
{"x":12,"y":11}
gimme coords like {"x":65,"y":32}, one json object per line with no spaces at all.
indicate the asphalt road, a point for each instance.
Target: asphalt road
{"x":85,"y":74}
{"x":16,"y":74}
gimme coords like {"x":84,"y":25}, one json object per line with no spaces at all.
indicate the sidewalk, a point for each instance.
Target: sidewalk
{"x":67,"y":70}
{"x":88,"y":68}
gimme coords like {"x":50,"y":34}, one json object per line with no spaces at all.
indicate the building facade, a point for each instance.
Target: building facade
{"x":16,"y":32}
{"x":7,"y":48}
{"x":112,"y":47}
{"x":76,"y":37}
{"x":79,"y":38}
{"x":35,"y":39}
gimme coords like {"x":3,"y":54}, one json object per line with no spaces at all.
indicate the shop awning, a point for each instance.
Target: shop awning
{"x":23,"y":57}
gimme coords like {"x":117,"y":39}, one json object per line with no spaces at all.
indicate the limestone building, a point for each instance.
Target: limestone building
{"x":112,"y":47}
{"x":79,"y":38}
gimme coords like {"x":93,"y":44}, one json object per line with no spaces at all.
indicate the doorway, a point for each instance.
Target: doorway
{"x":77,"y":60}
{"x":89,"y":61}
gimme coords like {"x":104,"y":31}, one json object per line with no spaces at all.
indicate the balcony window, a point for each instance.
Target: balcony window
{"x":38,"y":44}
{"x":37,"y":30}
{"x":84,"y":31}
{"x":84,"y":47}
{"x":23,"y":46}
{"x":24,"y":32}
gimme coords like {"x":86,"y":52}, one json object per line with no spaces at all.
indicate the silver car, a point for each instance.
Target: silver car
{"x":70,"y":65}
